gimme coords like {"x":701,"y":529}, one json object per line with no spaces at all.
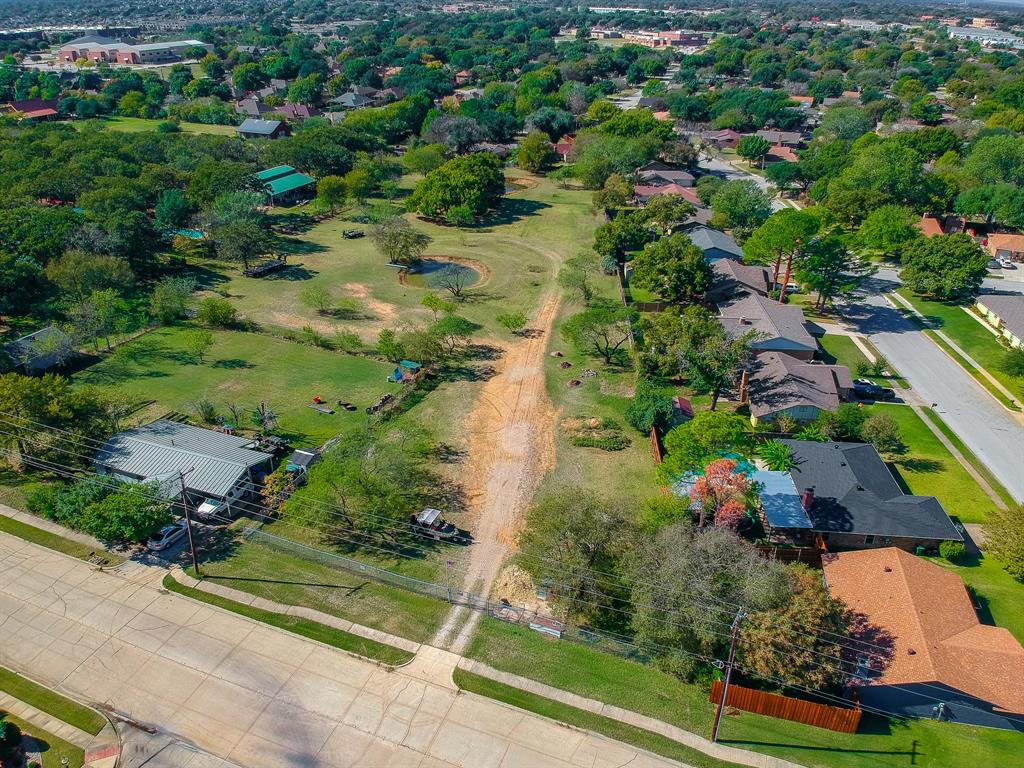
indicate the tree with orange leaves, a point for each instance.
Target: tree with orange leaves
{"x":721,"y":494}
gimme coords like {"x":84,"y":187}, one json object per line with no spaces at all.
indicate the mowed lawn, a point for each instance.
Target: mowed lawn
{"x":928,"y":469}
{"x":141,"y":125}
{"x":641,"y":688}
{"x":518,"y":251}
{"x":289,"y":578}
{"x":246,"y":368}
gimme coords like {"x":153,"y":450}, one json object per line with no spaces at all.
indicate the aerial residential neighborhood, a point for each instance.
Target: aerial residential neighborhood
{"x":511,"y":385}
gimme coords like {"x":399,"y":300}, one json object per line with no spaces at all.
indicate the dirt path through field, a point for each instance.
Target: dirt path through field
{"x":511,"y":447}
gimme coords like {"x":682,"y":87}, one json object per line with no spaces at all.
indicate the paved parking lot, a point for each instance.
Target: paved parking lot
{"x":253,"y":694}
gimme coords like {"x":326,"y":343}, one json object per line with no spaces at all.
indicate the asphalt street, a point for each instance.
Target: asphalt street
{"x":989,"y":430}
{"x":732,"y":173}
{"x":250,"y":693}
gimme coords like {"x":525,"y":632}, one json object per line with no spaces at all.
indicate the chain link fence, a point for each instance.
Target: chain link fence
{"x":501,"y":610}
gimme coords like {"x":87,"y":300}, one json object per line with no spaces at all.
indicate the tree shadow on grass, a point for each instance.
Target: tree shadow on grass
{"x":510,"y":211}
{"x":920,"y":464}
{"x":292,"y":245}
{"x":291,"y":273}
{"x":232,"y":363}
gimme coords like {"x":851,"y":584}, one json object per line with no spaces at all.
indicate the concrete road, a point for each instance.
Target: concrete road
{"x":999,"y":281}
{"x":250,"y":693}
{"x":731,"y":172}
{"x":986,"y":427}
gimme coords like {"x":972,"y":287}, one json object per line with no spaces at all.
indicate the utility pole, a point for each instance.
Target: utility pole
{"x":728,"y":673}
{"x":188,"y":521}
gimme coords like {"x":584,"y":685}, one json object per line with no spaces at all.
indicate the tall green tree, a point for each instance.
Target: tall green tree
{"x":947,"y":267}
{"x":601,"y":331}
{"x":674,"y":269}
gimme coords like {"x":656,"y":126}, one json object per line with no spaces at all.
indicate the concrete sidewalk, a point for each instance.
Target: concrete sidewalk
{"x":708,"y":747}
{"x":255,"y":695}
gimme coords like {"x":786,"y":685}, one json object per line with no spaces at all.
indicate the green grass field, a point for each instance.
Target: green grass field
{"x":245,"y":368}
{"x":322,"y":633}
{"x":141,"y":125}
{"x":880,"y":742}
{"x":928,"y":469}
{"x":53,"y":541}
{"x":969,"y":333}
{"x":42,"y":698}
{"x":517,"y":251}
{"x":289,"y":578}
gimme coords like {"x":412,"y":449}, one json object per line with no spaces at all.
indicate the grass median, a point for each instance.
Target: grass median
{"x":613,"y":729}
{"x":54,"y":541}
{"x":322,"y":633}
{"x":51,"y":702}
{"x":881,"y":742}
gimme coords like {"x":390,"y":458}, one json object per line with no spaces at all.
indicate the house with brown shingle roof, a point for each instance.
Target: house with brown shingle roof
{"x":939,"y":659}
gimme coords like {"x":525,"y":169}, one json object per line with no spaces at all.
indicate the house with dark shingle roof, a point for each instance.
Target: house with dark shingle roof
{"x":855,"y":502}
{"x":715,"y":244}
{"x":734,"y":279}
{"x":928,"y":646}
{"x":779,"y":385}
{"x":39,"y":351}
{"x":252,"y":128}
{"x":780,"y":327}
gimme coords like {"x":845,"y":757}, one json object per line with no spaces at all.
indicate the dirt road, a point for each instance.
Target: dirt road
{"x":511,"y":447}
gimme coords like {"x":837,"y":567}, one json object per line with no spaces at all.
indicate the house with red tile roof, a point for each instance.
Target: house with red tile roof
{"x":33,"y":109}
{"x":1005,"y":245}
{"x":938,"y":660}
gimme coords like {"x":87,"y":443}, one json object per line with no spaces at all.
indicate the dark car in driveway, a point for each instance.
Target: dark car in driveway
{"x":865,"y":389}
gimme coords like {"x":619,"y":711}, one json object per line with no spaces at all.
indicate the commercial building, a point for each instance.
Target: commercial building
{"x":97,"y":48}
{"x":987,"y":37}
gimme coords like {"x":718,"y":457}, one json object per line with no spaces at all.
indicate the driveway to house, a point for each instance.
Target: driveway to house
{"x":991,"y":432}
{"x":251,"y":693}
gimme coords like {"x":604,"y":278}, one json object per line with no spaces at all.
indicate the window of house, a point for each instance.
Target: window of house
{"x":869,"y":539}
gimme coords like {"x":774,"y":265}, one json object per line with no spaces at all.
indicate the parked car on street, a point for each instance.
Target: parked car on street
{"x":166,"y":536}
{"x":866,"y":389}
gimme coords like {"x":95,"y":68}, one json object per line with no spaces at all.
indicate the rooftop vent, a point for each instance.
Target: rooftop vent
{"x":887,"y":569}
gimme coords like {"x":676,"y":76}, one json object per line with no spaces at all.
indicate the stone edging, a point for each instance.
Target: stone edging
{"x":692,"y":740}
{"x":294,"y":610}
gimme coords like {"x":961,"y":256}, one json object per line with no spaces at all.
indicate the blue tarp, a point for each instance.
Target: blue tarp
{"x":780,"y":500}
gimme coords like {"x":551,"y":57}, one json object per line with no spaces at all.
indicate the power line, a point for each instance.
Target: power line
{"x":62,"y":469}
{"x":365,"y":537}
{"x":69,"y":472}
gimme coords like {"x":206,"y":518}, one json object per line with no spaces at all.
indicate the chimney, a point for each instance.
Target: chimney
{"x":744,"y":321}
{"x":808,"y":499}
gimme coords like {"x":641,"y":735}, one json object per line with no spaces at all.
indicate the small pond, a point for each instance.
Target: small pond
{"x":432,"y":273}
{"x":514,"y":186}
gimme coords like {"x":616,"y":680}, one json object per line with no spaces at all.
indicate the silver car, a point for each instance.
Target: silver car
{"x":166,"y":536}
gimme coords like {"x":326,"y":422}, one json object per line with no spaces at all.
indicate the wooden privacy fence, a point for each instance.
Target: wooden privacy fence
{"x":841,"y":719}
{"x":655,"y":446}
